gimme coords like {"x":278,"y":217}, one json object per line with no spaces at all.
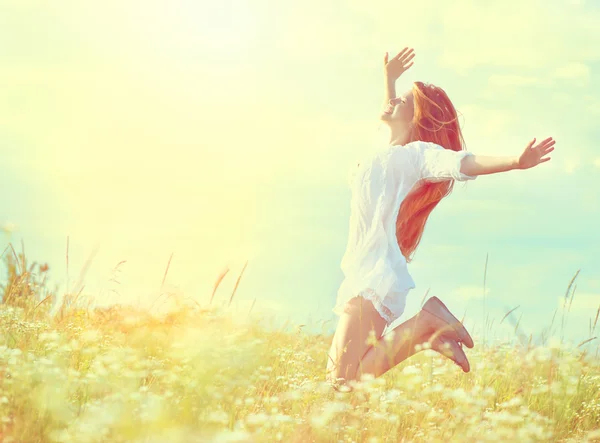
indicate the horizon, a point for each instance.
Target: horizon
{"x":219,"y":135}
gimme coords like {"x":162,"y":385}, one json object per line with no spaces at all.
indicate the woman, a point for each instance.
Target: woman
{"x":393,"y":194}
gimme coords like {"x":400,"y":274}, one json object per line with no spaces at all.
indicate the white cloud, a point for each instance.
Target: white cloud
{"x":584,"y":305}
{"x":571,"y":164}
{"x":594,"y":108}
{"x":518,"y":80}
{"x":484,"y":205}
{"x":577,"y":72}
{"x":470,"y":292}
{"x":487,"y":123}
{"x":587,"y":302}
{"x":8,"y":227}
{"x":515,"y":33}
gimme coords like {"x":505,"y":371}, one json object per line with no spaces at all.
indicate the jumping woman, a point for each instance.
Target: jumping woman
{"x":393,"y":194}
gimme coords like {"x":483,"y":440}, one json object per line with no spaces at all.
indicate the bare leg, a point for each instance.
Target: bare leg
{"x":417,"y":330}
{"x":352,"y":355}
{"x":349,"y":343}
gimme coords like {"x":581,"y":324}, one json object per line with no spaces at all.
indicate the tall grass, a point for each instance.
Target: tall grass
{"x":200,"y":374}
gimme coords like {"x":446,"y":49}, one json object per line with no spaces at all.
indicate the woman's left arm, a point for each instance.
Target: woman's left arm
{"x":393,"y":69}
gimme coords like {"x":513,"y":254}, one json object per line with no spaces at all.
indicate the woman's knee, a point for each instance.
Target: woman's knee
{"x":350,"y":341}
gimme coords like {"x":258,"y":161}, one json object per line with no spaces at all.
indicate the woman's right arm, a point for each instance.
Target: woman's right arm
{"x":531,"y":156}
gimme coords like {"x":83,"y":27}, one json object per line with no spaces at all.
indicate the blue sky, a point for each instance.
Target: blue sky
{"x":224,"y":132}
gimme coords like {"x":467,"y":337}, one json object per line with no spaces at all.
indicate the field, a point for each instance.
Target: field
{"x":197,"y":375}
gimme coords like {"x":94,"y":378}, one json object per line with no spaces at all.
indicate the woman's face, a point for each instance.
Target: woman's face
{"x":400,"y":119}
{"x":404,"y":111}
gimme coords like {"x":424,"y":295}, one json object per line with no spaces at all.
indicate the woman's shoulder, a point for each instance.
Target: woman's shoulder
{"x":415,"y":146}
{"x":418,"y":149}
{"x":420,"y":144}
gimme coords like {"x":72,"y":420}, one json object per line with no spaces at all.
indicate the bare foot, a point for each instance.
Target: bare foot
{"x":451,"y":349}
{"x":435,"y":317}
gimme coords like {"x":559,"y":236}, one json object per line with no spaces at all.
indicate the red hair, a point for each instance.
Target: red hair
{"x":434,"y":120}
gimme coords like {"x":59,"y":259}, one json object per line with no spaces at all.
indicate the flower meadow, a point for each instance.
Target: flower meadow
{"x":196,"y":374}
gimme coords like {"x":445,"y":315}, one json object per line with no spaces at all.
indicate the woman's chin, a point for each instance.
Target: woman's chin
{"x":386,"y":118}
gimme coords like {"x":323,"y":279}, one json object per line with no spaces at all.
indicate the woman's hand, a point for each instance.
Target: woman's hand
{"x":532,"y":155}
{"x":399,"y":64}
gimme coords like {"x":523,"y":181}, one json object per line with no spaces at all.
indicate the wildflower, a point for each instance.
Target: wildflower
{"x":541,"y":389}
{"x":256,"y":419}
{"x":436,"y":388}
{"x":8,"y":227}
{"x":440,"y":370}
{"x":45,"y":361}
{"x":554,"y":343}
{"x":90,"y":335}
{"x":372,"y":339}
{"x":282,"y":418}
{"x":489,"y":391}
{"x":366,"y":377}
{"x":389,"y":337}
{"x":236,"y":436}
{"x":392,"y":394}
{"x":592,"y":435}
{"x":49,"y":336}
{"x":516,"y":401}
{"x":411,"y":370}
{"x":393,"y":418}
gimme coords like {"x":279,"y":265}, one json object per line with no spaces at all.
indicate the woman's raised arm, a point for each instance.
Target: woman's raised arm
{"x":485,"y":164}
{"x":393,"y":69}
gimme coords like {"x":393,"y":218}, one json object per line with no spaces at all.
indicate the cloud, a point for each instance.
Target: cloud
{"x":582,"y":312}
{"x":468,"y":292}
{"x":511,"y":34}
{"x":571,"y":164}
{"x":8,"y":227}
{"x":583,"y":302}
{"x":484,"y":127}
{"x":517,"y":80}
{"x":577,"y":72}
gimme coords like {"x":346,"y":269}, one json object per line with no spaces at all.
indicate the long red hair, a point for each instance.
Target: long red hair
{"x":435,"y":120}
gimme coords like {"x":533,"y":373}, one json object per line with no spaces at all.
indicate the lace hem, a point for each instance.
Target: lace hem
{"x":386,"y":313}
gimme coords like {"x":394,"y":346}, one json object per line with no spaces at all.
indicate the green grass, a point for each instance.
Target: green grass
{"x":198,"y":375}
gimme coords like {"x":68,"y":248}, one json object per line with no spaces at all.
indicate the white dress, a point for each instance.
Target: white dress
{"x":373,"y":264}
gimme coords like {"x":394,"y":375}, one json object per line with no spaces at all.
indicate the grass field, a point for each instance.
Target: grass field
{"x":197,"y":375}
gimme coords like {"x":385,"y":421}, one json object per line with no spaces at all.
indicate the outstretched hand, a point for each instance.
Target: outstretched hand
{"x":532,"y":155}
{"x":395,"y":67}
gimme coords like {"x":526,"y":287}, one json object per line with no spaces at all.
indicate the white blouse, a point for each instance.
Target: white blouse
{"x":373,"y":264}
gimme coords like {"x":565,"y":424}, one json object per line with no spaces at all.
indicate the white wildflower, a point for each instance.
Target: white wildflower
{"x":257,"y":419}
{"x":389,"y":336}
{"x":411,"y":370}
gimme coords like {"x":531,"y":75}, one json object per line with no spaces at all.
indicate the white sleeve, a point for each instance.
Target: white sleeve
{"x":436,"y":163}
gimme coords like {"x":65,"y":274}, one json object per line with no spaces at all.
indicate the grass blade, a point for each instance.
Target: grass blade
{"x":507,"y":314}
{"x":237,"y":283}
{"x":218,"y":282}
{"x":166,"y":270}
{"x":586,"y":341}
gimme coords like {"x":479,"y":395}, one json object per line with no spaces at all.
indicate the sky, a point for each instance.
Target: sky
{"x":221,"y":133}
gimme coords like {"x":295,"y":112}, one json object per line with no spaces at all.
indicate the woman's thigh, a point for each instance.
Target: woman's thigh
{"x":349,"y":341}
